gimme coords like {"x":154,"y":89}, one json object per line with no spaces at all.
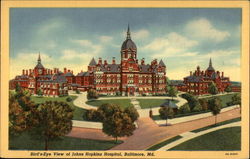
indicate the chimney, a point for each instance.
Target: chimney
{"x":54,"y":70}
{"x":105,"y":62}
{"x":68,"y":70}
{"x":51,"y":72}
{"x":23,"y":72}
{"x":65,"y":70}
{"x":29,"y":71}
{"x":190,"y":73}
{"x":100,"y":61}
{"x":113,"y":60}
{"x":26,"y":72}
{"x":142,"y":61}
{"x":222,"y":74}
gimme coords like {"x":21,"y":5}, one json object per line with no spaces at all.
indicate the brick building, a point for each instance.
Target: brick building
{"x":127,"y":77}
{"x":51,"y":83}
{"x":197,"y":83}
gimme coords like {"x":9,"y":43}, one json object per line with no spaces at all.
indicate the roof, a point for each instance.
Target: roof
{"x":194,"y":78}
{"x":110,"y":68}
{"x":83,"y":74}
{"x":69,"y":74}
{"x":39,"y":65}
{"x":128,"y":44}
{"x":92,"y":62}
{"x":210,"y":67}
{"x":144,"y":68}
{"x":162,"y":63}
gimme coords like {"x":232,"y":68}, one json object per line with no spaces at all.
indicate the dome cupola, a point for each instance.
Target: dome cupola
{"x":128,"y":43}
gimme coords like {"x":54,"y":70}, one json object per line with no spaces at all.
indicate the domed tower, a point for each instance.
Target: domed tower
{"x":39,"y":69}
{"x":128,"y":49}
{"x":210,"y":70}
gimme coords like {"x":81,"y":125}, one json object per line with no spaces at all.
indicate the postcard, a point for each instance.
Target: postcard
{"x":125,"y":79}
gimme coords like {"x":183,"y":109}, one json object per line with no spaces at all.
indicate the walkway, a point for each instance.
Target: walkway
{"x":149,"y":133}
{"x":193,"y":117}
{"x":190,"y":135}
{"x":145,"y":112}
{"x":81,"y":100}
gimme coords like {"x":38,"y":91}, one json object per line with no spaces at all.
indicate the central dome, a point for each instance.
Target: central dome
{"x":128,"y":43}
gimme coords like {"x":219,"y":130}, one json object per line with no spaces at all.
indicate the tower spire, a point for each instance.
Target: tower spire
{"x":39,"y":58}
{"x":210,"y":62}
{"x":128,"y":33}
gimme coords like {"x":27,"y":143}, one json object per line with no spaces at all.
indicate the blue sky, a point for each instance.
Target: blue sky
{"x":70,"y":37}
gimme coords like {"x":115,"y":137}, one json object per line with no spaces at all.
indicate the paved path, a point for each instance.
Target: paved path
{"x":149,"y":133}
{"x":87,"y":124}
{"x":81,"y":100}
{"x":190,"y":135}
{"x":193,"y":117}
{"x":220,"y":94}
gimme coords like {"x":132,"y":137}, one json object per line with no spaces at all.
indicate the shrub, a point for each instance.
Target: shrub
{"x":184,"y":109}
{"x":77,"y":91}
{"x":197,"y":108}
{"x":92,"y":94}
{"x":68,"y":99}
{"x":204,"y":103}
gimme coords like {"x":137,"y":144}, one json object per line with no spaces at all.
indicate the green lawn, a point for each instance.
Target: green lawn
{"x":122,"y":102}
{"x":224,"y":98}
{"x":26,"y":142}
{"x":217,"y":124}
{"x":159,"y":145}
{"x":78,"y":112}
{"x":147,"y":103}
{"x":228,"y":139}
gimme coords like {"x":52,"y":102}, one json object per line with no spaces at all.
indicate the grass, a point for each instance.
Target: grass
{"x":26,"y":142}
{"x":159,"y":145}
{"x":147,"y":103}
{"x":217,"y":124}
{"x":224,"y":99}
{"x":227,"y":139}
{"x":122,"y":102}
{"x":78,"y":112}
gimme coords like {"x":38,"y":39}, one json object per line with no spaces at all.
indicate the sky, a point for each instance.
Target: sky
{"x":183,"y":38}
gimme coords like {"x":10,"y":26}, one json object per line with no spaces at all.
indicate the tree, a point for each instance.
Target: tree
{"x":18,"y":87}
{"x":192,"y":101}
{"x":93,"y":115}
{"x":172,"y":92}
{"x":204,"y":103}
{"x":118,"y":125}
{"x":212,"y":89}
{"x":17,"y":116}
{"x":215,"y":106}
{"x":54,"y":121}
{"x":166,"y":112}
{"x":132,"y":113}
{"x":184,"y":109}
{"x":92,"y":94}
{"x":236,"y":100}
{"x":22,"y":112}
{"x":228,"y":89}
{"x":39,"y":92}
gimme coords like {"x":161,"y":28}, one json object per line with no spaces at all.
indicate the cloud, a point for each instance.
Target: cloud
{"x":105,"y":39}
{"x":50,"y":25}
{"x":140,"y":34}
{"x":203,"y":29}
{"x":171,"y":45}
